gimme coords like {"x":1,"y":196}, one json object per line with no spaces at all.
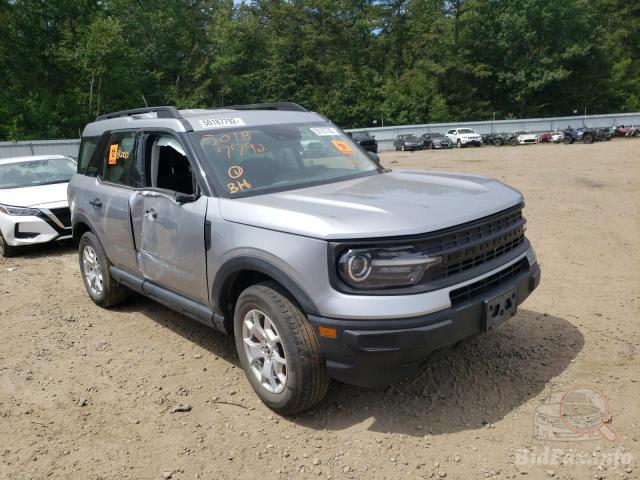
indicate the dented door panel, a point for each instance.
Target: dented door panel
{"x":169,"y":241}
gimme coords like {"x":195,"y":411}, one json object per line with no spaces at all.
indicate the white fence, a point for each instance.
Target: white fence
{"x":40,"y":147}
{"x":386,"y":135}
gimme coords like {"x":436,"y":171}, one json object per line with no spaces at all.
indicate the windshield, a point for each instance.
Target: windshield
{"x":282,"y":157}
{"x":410,"y":138}
{"x":466,"y":130}
{"x":360,"y":135}
{"x":36,"y":172}
{"x":436,"y":135}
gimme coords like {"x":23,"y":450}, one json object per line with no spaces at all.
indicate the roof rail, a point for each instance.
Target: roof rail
{"x":288,"y":106}
{"x":163,"y":112}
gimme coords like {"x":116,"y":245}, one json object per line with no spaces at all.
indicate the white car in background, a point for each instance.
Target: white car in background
{"x":33,"y":200}
{"x":557,"y":137}
{"x":525,"y":138}
{"x":463,"y":137}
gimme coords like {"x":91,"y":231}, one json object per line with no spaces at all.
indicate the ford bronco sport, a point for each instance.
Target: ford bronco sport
{"x":268,"y":223}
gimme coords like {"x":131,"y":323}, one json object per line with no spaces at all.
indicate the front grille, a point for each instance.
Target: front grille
{"x":481,"y":286}
{"x":63,"y":214}
{"x":472,"y":245}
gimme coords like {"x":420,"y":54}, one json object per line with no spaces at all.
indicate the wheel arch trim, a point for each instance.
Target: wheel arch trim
{"x":242,"y":263}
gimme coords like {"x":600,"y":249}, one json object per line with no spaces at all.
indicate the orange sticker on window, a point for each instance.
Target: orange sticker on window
{"x":342,"y":146}
{"x":113,"y":154}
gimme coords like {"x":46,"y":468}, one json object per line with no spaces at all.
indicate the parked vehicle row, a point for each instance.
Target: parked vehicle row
{"x":268,"y":223}
{"x":463,"y":137}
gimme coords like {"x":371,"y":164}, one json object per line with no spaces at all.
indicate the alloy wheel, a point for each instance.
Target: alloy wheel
{"x":92,"y":270}
{"x":264,"y":350}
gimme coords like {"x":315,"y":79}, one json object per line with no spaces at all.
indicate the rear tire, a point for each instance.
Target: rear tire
{"x":497,"y":142}
{"x":513,"y":142}
{"x":567,"y":140}
{"x":94,"y":268}
{"x":459,"y":144}
{"x":7,"y":250}
{"x":587,"y":138}
{"x":282,"y":333}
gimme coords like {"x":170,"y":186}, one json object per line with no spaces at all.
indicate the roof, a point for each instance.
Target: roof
{"x":30,"y":158}
{"x":202,"y":119}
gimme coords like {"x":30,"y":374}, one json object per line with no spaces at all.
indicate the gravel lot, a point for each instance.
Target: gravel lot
{"x":88,"y":393}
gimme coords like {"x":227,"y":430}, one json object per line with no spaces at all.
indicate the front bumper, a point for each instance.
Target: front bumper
{"x":376,"y":353}
{"x":473,"y":142}
{"x":29,"y":230}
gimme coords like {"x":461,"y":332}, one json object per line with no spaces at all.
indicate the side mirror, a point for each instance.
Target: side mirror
{"x":182,"y":198}
{"x":374,"y":156}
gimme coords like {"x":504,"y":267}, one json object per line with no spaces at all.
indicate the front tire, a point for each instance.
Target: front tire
{"x":587,"y":138}
{"x":497,"y":142}
{"x":459,"y":144}
{"x":278,"y":350}
{"x":94,"y":268}
{"x":7,"y":250}
{"x":513,"y":142}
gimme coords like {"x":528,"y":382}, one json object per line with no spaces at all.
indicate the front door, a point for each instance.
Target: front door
{"x":169,"y":227}
{"x":169,"y":239}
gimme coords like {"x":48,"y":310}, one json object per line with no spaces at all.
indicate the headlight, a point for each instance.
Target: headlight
{"x":24,"y":212}
{"x":369,"y":268}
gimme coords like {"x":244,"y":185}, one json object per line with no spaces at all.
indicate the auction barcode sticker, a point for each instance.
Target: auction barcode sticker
{"x":324,"y":131}
{"x":222,"y":122}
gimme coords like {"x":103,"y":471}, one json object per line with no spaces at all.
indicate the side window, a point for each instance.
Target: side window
{"x":451,"y":132}
{"x":167,"y":165}
{"x":120,"y":163}
{"x":87,"y":149}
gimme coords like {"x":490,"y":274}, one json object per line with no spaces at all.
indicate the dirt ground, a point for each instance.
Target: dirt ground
{"x":87,"y":393}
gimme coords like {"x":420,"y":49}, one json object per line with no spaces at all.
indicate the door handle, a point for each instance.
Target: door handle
{"x":96,"y":202}
{"x":151,"y":213}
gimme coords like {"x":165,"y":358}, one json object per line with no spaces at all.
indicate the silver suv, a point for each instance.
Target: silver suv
{"x":268,"y":223}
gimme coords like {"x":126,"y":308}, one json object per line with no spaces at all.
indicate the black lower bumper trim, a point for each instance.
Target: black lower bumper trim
{"x":376,"y":353}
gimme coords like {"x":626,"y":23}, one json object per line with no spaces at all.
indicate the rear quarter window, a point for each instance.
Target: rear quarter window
{"x":87,"y":150}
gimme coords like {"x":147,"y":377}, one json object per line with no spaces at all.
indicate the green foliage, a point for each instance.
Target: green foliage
{"x":356,"y":61}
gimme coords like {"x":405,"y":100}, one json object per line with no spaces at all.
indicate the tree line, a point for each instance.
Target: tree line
{"x":358,"y":62}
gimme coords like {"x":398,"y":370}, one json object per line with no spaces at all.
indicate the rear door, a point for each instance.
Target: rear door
{"x":168,"y":219}
{"x":107,"y":199}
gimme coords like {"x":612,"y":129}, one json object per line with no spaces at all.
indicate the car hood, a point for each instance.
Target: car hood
{"x":35,"y":196}
{"x":391,"y":204}
{"x":527,"y":135}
